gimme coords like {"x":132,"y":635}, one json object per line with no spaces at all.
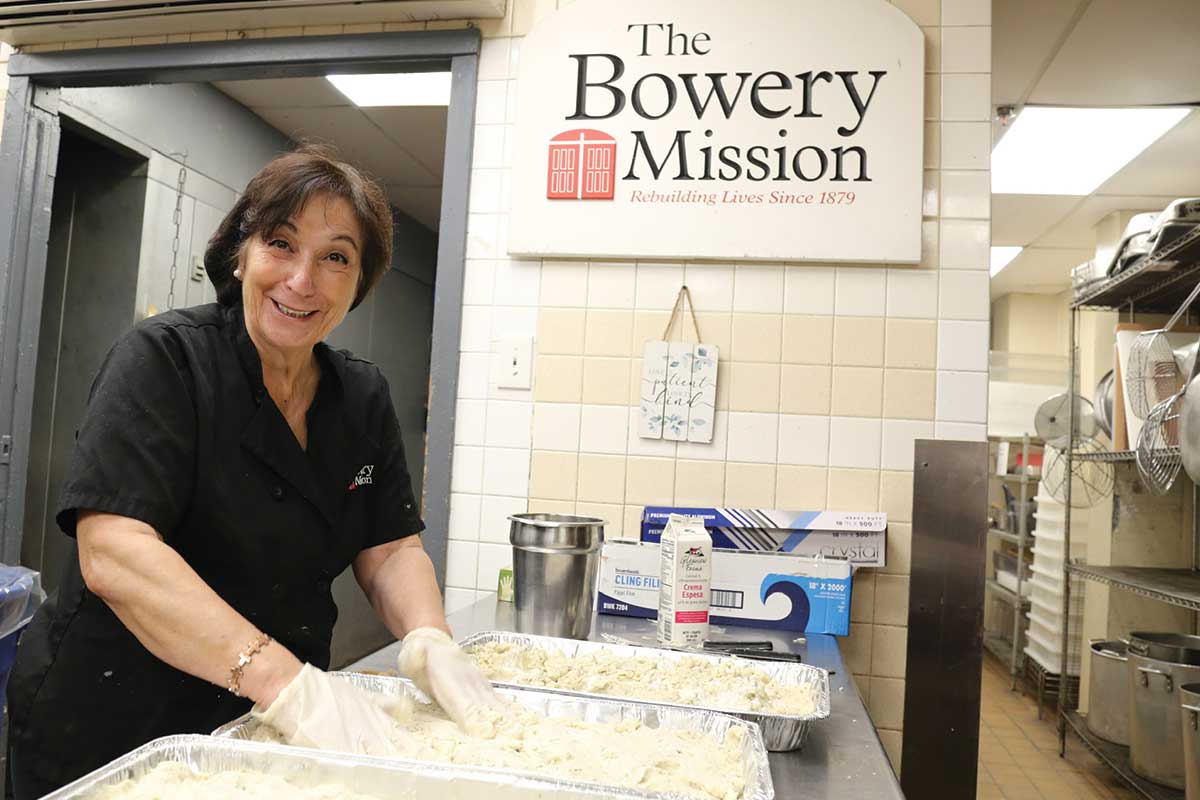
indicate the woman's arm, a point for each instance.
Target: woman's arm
{"x":398,"y":579}
{"x":171,"y":610}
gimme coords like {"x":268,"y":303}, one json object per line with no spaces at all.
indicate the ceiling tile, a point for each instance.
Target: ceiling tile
{"x":420,"y":130}
{"x":357,"y":139}
{"x":1077,"y":229}
{"x":1039,"y":270}
{"x":1019,"y":219}
{"x":1169,"y":166}
{"x":284,"y":93}
{"x":1024,"y":33}
{"x":1123,"y":53}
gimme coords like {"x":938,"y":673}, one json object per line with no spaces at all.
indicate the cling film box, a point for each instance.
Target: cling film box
{"x":759,"y":590}
{"x":858,"y":537}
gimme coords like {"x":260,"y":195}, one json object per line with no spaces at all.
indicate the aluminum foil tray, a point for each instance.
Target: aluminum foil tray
{"x":780,"y":732}
{"x":376,"y":777}
{"x":756,"y":770}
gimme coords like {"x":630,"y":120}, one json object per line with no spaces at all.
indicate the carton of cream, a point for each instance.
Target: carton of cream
{"x":685,"y":572}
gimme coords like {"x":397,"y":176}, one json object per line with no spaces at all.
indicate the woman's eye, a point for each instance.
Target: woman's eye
{"x":280,"y":243}
{"x":341,"y":259}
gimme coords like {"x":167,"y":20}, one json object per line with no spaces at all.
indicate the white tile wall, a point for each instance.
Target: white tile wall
{"x":478,"y":282}
{"x":809,"y":290}
{"x":966,"y":194}
{"x":965,"y":244}
{"x":611,"y":284}
{"x":967,"y":12}
{"x":966,"y":145}
{"x":966,"y":98}
{"x":803,"y":440}
{"x":964,"y":431}
{"x":898,"y":437}
{"x":464,"y":516}
{"x":505,"y":471}
{"x":711,"y":286}
{"x":488,"y":147}
{"x":961,"y":396}
{"x":474,"y":372}
{"x":517,"y":282}
{"x":657,"y":285}
{"x":461,"y":559}
{"x":758,"y":288}
{"x":603,"y":429}
{"x":964,"y":294}
{"x":490,"y":100}
{"x":508,"y":423}
{"x":476,"y":329}
{"x":556,"y":426}
{"x":753,"y":437}
{"x":493,"y":516}
{"x":855,"y":442}
{"x":491,"y":559}
{"x":467,"y":470}
{"x":966,"y":49}
{"x":912,"y":293}
{"x":470,"y":422}
{"x":962,"y":345}
{"x":860,"y":292}
{"x":564,"y":283}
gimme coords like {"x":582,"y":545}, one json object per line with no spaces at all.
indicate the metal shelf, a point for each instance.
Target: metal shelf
{"x":1116,"y":758}
{"x":1017,"y":477}
{"x":1010,"y":537}
{"x":1150,"y":285}
{"x":1007,"y":595}
{"x":998,"y":646}
{"x":1110,"y":456}
{"x":1179,"y":587}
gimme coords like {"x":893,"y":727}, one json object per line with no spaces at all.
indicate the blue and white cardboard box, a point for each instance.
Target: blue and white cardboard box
{"x":859,"y":537}
{"x":759,"y":590}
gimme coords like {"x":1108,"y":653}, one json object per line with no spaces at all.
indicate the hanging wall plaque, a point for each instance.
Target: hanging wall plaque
{"x":679,"y":384}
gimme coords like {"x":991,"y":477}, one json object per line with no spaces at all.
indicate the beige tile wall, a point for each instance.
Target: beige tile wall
{"x":827,"y":375}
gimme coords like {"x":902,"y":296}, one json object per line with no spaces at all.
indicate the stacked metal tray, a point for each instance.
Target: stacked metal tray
{"x":756,"y":771}
{"x":375,"y":777}
{"x":780,"y":732}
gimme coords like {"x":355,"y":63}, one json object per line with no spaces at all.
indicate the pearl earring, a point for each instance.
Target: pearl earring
{"x":237,"y":273}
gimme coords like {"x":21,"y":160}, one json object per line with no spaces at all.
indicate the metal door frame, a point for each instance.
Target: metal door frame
{"x":29,"y":152}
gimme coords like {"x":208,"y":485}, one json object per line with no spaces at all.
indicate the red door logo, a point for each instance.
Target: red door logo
{"x":583,"y":166}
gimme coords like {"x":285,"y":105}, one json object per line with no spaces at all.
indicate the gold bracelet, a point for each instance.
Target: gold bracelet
{"x":244,"y":659}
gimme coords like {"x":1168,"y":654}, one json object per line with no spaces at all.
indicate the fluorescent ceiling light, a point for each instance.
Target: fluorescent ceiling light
{"x":1002,"y":256}
{"x":402,"y":89}
{"x":1071,"y":151}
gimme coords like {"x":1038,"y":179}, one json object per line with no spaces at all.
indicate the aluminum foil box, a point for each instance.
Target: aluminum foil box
{"x":858,"y":537}
{"x":758,"y":590}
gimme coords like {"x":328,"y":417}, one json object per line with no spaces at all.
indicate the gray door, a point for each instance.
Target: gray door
{"x":87,"y":303}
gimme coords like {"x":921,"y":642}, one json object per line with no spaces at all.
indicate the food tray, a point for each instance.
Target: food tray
{"x":382,"y":778}
{"x":756,"y":771}
{"x":780,"y":732}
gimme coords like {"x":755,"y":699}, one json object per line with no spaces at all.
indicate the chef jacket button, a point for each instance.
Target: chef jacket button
{"x":277,"y":493}
{"x":408,"y":506}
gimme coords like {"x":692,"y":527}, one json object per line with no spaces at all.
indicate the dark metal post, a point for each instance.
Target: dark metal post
{"x":945,"y":620}
{"x":1069,"y":454}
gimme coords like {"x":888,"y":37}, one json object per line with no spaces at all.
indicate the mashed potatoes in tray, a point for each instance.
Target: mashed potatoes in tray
{"x":176,"y":781}
{"x":726,"y":684}
{"x":624,"y":753}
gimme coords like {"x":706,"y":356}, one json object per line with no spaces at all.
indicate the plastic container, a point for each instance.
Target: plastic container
{"x":20,"y":596}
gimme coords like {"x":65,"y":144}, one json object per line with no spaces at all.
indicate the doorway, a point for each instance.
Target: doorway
{"x":188,"y":176}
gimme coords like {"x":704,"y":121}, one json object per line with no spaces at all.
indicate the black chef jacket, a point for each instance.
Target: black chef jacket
{"x":181,"y":434}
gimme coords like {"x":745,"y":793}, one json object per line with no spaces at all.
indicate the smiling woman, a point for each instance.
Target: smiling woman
{"x":229,"y":465}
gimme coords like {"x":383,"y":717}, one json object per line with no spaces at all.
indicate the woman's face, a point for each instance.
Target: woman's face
{"x":299,"y":280}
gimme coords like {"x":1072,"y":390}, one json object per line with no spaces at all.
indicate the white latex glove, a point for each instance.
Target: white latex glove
{"x":440,"y":669}
{"x":320,"y":710}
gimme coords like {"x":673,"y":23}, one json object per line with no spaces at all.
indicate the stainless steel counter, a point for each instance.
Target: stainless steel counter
{"x":843,"y":757}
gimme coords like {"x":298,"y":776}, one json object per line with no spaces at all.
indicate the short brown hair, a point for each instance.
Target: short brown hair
{"x":279,"y":190}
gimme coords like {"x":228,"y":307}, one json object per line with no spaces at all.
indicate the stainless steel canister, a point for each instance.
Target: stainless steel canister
{"x":1189,"y":693}
{"x":555,"y":560}
{"x":1159,"y":663}
{"x":1108,"y":696}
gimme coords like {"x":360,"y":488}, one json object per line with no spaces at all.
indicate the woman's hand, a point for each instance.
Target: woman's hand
{"x":320,"y":710}
{"x":440,"y":669}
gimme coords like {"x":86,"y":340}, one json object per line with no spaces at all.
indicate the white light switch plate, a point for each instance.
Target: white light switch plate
{"x":516,"y":362}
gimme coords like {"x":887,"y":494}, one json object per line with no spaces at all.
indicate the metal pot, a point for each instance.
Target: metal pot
{"x":1190,"y":706}
{"x":1155,"y":716}
{"x":555,"y":559}
{"x":1108,"y":706}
